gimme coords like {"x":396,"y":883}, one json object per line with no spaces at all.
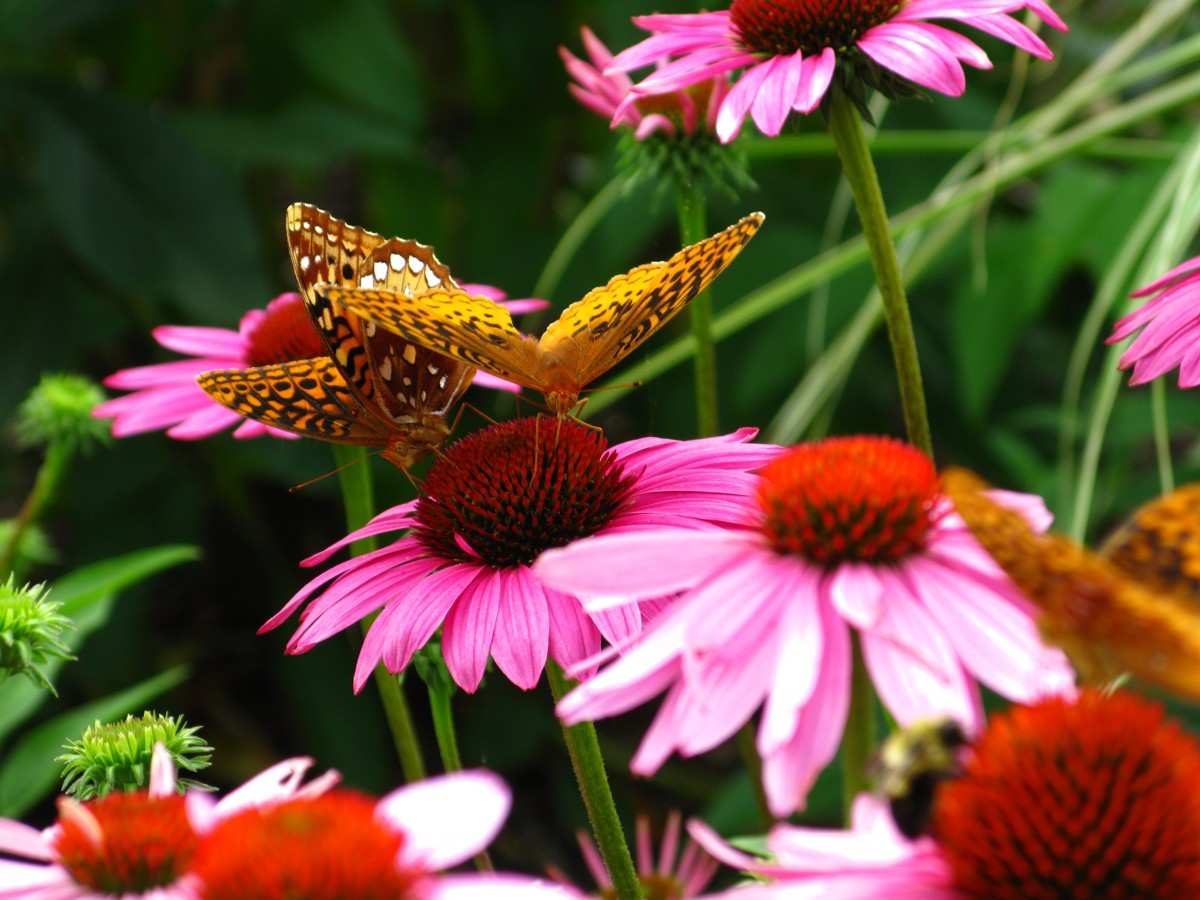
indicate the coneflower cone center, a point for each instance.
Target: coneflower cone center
{"x":1098,"y":797}
{"x":504,"y":494}
{"x":284,"y":333}
{"x":147,"y":843}
{"x":781,"y":27}
{"x":852,"y":499}
{"x":324,"y":848}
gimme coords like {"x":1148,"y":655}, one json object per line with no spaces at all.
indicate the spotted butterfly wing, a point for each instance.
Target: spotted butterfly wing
{"x":1159,"y":547}
{"x":590,"y":337}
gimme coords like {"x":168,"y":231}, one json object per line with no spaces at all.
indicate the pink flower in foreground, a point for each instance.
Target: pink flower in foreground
{"x":345,"y":846}
{"x":1170,"y":328}
{"x":846,"y":533}
{"x":134,"y":844}
{"x":1098,"y":796}
{"x":662,"y":876}
{"x":789,"y":49}
{"x":606,"y":93}
{"x":166,"y":395}
{"x":491,"y":503}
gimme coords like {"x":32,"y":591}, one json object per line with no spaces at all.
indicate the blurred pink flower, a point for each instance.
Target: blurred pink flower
{"x":606,"y":93}
{"x":166,"y":395}
{"x":1170,"y":328}
{"x":789,"y":50}
{"x":490,"y":504}
{"x":134,"y":844}
{"x":846,"y":533}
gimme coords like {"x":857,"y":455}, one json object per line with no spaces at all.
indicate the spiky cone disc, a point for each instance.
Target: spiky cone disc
{"x":31,"y":628}
{"x":1106,"y":622}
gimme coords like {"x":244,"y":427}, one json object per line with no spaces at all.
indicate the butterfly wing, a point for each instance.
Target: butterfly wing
{"x":1159,"y":547}
{"x":308,"y":397}
{"x":474,"y":330}
{"x":610,"y":322}
{"x":1107,"y":623}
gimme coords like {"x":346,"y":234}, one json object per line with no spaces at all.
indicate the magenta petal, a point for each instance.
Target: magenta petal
{"x":1177,"y":273}
{"x":896,"y":46}
{"x":522,"y":636}
{"x":202,"y":341}
{"x":21,"y":840}
{"x":1013,"y":32}
{"x":573,"y":637}
{"x":815,"y":80}
{"x":798,"y":660}
{"x":204,"y":423}
{"x":777,"y":94}
{"x":469,"y":629}
{"x":431,"y":816}
{"x":739,"y":100}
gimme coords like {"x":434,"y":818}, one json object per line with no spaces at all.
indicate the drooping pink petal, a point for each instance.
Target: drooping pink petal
{"x":522,"y":636}
{"x":856,"y":593}
{"x":201,"y":341}
{"x":498,"y":887}
{"x":1176,"y":274}
{"x":815,"y":80}
{"x":739,"y":100}
{"x":446,"y":820}
{"x":778,"y":92}
{"x":469,"y":629}
{"x":19,"y":839}
{"x":1013,"y":32}
{"x":573,"y":637}
{"x":204,"y":423}
{"x":908,"y":53}
{"x":797,"y":661}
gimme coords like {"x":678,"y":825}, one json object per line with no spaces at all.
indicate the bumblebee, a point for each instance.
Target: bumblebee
{"x":909,"y":766}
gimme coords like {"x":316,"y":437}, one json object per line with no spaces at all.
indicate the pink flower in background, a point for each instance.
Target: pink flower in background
{"x":490,"y":504}
{"x":606,"y":93}
{"x":844,"y":534}
{"x":166,"y":395}
{"x":137,"y":843}
{"x":788,"y":50}
{"x":1169,"y":323}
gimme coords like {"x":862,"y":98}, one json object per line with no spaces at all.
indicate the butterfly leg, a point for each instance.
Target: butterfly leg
{"x":475,"y":409}
{"x":578,"y":411}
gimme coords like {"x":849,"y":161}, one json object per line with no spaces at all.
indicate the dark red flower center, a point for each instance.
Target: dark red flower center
{"x":852,"y":499}
{"x":510,"y":491}
{"x":330,"y":847}
{"x":143,"y":843}
{"x":284,"y":333}
{"x":781,"y":27}
{"x":1094,"y":798}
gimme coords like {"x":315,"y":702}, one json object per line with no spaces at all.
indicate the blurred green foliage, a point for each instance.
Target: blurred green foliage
{"x":147,"y":151}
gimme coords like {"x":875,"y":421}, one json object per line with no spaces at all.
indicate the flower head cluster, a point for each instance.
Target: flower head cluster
{"x":846,"y":534}
{"x":789,"y":51}
{"x":59,"y":410}
{"x":31,"y":629}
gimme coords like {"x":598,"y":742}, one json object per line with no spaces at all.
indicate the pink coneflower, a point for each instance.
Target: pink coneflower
{"x":166,"y":395}
{"x":346,"y":846}
{"x":667,"y":875}
{"x":1095,"y":797}
{"x":789,"y":49}
{"x":134,"y":844}
{"x":490,"y":504}
{"x":847,"y":533}
{"x":606,"y":93}
{"x":1170,"y":328}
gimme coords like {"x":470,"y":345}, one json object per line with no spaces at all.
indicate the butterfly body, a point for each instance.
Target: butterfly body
{"x":590,"y":337}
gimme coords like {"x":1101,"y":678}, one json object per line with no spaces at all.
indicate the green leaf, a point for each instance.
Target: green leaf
{"x":29,"y":772}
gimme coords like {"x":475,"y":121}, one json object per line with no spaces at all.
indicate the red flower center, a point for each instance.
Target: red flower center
{"x":147,"y":842}
{"x":1094,"y":798}
{"x":781,"y":27}
{"x":853,"y":499}
{"x":284,"y":333}
{"x":327,"y":848}
{"x":515,"y":489}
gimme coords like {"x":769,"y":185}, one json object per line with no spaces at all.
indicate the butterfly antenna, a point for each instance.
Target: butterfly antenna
{"x":302,"y":485}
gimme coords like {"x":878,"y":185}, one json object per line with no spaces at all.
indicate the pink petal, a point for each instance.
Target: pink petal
{"x":778,"y":92}
{"x":204,"y":423}
{"x":279,"y":782}
{"x":573,"y":637}
{"x":1013,"y":32}
{"x":488,"y":380}
{"x":739,"y":100}
{"x":499,"y":887}
{"x":522,"y":635}
{"x":19,"y":839}
{"x":906,"y":52}
{"x":447,"y":819}
{"x":856,"y":593}
{"x":1179,"y":272}
{"x":815,"y":80}
{"x":162,"y":772}
{"x":798,"y":659}
{"x":183,"y":371}
{"x":202,"y":341}
{"x":469,"y":629}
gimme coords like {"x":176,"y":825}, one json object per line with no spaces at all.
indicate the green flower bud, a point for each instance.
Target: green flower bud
{"x":59,"y":411}
{"x":699,"y":158}
{"x":30,"y":628}
{"x":116,"y":756}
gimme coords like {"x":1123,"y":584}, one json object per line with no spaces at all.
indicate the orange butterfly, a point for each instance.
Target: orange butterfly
{"x":1132,"y":609}
{"x":374,"y":389}
{"x":590,"y":337}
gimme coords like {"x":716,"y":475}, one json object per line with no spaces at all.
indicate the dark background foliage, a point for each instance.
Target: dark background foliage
{"x":147,"y":151}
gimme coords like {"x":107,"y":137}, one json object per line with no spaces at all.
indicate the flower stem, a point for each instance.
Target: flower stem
{"x":588,"y":763}
{"x":1162,"y":435}
{"x":748,"y":750}
{"x":845,"y":124}
{"x":858,"y":740}
{"x":447,"y":740}
{"x":50,"y":474}
{"x":354,"y":477}
{"x":690,"y":203}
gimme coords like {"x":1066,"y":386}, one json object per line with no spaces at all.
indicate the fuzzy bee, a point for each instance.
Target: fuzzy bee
{"x":909,"y":766}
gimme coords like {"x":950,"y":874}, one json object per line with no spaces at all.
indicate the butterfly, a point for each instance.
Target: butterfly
{"x":374,"y":389}
{"x":1115,"y":612}
{"x":590,"y":337}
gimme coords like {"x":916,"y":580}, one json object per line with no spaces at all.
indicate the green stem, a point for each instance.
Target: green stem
{"x":690,"y":201}
{"x":845,"y":124}
{"x":354,"y":477}
{"x":588,"y":763}
{"x":577,"y":232}
{"x":858,"y":740}
{"x":1162,"y":435}
{"x":447,"y":740}
{"x":747,"y":746}
{"x":45,"y":487}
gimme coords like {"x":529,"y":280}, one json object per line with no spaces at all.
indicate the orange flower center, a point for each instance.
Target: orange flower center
{"x":781,"y":27}
{"x":854,"y":499}
{"x":515,"y":489}
{"x":147,"y":842}
{"x":283,"y":334}
{"x":326,"y":848}
{"x":1094,"y":798}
